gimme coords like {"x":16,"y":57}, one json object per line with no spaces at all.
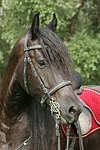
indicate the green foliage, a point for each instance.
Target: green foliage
{"x":85,"y":51}
{"x":4,"y":52}
{"x":78,"y":27}
{"x":3,"y":56}
{"x":18,"y":15}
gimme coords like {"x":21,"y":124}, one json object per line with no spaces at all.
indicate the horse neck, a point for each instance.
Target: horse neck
{"x":11,"y":93}
{"x":10,"y":70}
{"x":43,"y":126}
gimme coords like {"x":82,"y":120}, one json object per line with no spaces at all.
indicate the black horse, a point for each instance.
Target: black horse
{"x":36,"y":91}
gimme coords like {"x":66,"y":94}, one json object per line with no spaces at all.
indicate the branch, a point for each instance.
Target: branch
{"x":74,"y":18}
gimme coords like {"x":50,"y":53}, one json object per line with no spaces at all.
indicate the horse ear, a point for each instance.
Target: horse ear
{"x":35,"y":26}
{"x":53,"y":24}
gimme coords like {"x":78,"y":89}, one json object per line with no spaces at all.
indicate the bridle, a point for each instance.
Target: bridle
{"x":54,"y":106}
{"x":27,"y":60}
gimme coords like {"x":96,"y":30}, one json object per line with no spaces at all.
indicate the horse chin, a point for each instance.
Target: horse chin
{"x":68,"y":121}
{"x":63,"y":120}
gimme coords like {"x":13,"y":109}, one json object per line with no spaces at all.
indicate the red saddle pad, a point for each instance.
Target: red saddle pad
{"x":92,"y":100}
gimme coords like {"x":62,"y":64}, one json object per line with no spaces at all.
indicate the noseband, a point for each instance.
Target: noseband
{"x":54,"y":106}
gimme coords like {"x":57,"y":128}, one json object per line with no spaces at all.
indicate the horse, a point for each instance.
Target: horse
{"x":37,"y":91}
{"x":90,"y":117}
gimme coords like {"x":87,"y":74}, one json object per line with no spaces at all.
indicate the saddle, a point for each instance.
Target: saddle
{"x":85,"y":121}
{"x":89,"y":119}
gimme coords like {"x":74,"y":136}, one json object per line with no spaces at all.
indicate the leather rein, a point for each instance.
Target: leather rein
{"x":54,"y":106}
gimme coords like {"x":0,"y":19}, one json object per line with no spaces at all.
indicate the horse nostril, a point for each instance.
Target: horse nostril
{"x":72,"y":110}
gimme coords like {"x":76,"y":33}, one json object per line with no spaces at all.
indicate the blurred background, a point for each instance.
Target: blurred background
{"x":78,"y":26}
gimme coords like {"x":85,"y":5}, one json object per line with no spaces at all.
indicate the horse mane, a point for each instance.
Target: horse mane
{"x":9,"y":75}
{"x":41,"y":122}
{"x":12,"y":62}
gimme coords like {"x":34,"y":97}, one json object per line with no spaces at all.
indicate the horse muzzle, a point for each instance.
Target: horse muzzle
{"x":71,"y":115}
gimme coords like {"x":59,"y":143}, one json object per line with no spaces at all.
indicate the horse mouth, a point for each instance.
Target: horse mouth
{"x":63,"y":120}
{"x":73,"y":129}
{"x":71,"y":119}
{"x":67,"y":121}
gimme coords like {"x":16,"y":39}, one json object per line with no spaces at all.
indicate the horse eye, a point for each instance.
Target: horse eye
{"x":42,"y":63}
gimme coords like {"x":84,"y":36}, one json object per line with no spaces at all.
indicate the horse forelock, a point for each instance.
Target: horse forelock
{"x":54,"y":49}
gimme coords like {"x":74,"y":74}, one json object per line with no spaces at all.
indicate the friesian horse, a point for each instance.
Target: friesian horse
{"x":36,"y":91}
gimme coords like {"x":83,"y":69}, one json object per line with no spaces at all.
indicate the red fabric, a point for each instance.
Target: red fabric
{"x":92,"y":100}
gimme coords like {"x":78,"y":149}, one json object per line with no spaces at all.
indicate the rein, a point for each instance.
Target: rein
{"x":54,"y":106}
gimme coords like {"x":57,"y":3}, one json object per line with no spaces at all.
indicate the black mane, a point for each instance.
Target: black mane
{"x":56,"y":50}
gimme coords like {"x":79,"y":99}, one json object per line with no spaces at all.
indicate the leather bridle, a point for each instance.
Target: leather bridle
{"x":27,"y":59}
{"x":54,"y":106}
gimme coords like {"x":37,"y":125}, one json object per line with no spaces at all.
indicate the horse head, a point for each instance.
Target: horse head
{"x":45,"y":70}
